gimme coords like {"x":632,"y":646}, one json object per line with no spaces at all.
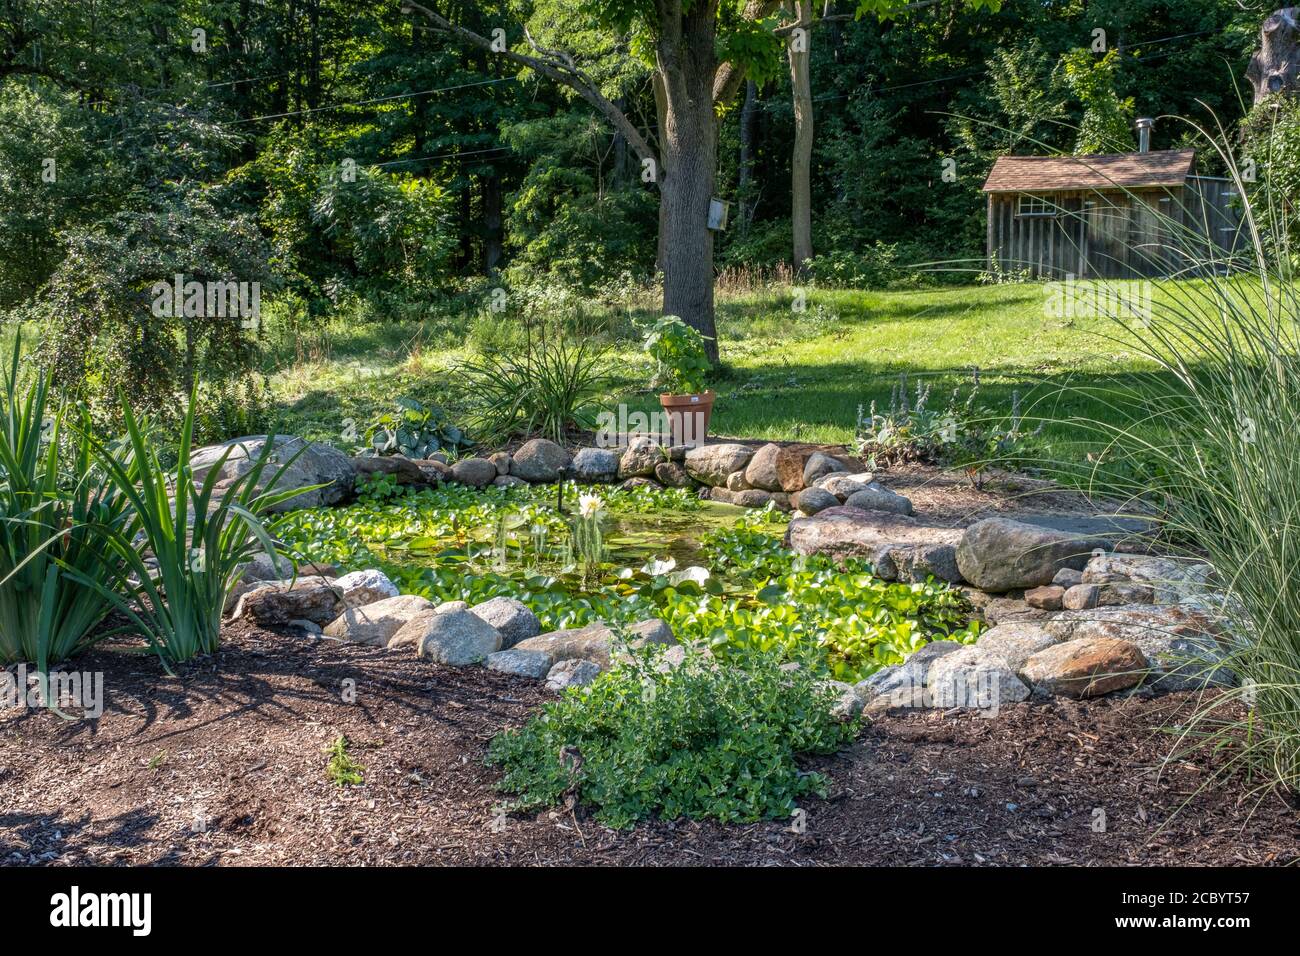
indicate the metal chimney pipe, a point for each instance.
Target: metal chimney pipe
{"x":1144,"y":127}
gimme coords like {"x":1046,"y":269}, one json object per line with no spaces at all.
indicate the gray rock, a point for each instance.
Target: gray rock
{"x":875,"y":497}
{"x":377,"y":623}
{"x":534,"y":664}
{"x":916,"y":564}
{"x":848,"y":702}
{"x":851,"y":531}
{"x":540,"y":461}
{"x":571,"y":673}
{"x":760,"y":472}
{"x":1015,"y":643}
{"x":818,"y":466}
{"x":509,"y":481}
{"x":973,"y":678}
{"x":910,"y":674}
{"x":474,"y":472}
{"x":632,"y":483}
{"x":711,"y":464}
{"x":595,"y":465}
{"x":1081,"y":597}
{"x":736,"y":481}
{"x":404,"y":470}
{"x":998,"y":554}
{"x":670,"y":474}
{"x":810,"y":501}
{"x":597,"y":642}
{"x":843,"y":484}
{"x":1067,"y":578}
{"x":639,"y":458}
{"x":365,"y":587}
{"x":512,"y":618}
{"x":1050,"y":597}
{"x":315,"y":464}
{"x":457,"y":638}
{"x":502,"y":460}
{"x":446,"y":606}
{"x":749,"y":498}
{"x":1171,"y":581}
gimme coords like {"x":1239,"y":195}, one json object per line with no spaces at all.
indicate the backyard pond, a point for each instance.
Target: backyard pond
{"x":719,"y":575}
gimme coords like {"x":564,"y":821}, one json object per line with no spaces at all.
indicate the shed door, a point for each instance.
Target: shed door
{"x":1107,"y":219}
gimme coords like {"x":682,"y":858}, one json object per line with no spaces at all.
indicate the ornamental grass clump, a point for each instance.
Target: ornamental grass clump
{"x":1224,"y":343}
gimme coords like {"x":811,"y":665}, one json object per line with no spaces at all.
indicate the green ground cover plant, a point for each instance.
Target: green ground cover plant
{"x":697,"y":741}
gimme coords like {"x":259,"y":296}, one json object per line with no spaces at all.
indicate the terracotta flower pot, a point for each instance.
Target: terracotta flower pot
{"x":688,"y":417}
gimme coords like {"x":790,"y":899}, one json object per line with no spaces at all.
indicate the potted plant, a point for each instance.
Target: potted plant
{"x":681,"y":364}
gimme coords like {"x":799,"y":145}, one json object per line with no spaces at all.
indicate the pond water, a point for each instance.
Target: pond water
{"x":637,"y":538}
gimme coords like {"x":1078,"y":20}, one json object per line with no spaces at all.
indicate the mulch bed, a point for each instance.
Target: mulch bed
{"x":235,"y":744}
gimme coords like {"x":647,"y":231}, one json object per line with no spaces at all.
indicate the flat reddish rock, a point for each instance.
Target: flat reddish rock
{"x":1088,"y":667}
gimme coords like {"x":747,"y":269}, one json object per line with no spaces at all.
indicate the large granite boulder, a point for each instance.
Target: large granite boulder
{"x":973,"y":678}
{"x":474,"y":472}
{"x":314,"y":464}
{"x":876,"y":497}
{"x":540,"y":461}
{"x":712,"y":464}
{"x":998,"y":554}
{"x":404,"y":470}
{"x":365,"y":587}
{"x":595,"y":465}
{"x":454,"y":637}
{"x":377,"y":623}
{"x":277,"y":603}
{"x":511,"y":617}
{"x":761,"y":471}
{"x":1016,"y":642}
{"x":896,"y":544}
{"x":597,"y":642}
{"x":640,"y":458}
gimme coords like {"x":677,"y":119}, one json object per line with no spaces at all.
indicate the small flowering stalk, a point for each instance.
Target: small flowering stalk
{"x":588,"y":538}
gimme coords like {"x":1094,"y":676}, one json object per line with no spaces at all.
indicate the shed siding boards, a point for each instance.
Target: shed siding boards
{"x":1137,"y":215}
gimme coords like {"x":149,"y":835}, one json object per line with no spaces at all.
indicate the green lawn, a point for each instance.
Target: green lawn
{"x":788,"y":375}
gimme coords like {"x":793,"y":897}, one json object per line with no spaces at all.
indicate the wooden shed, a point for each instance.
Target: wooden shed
{"x":1120,"y":216}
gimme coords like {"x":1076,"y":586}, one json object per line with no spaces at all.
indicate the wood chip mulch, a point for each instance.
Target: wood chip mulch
{"x":225,"y":764}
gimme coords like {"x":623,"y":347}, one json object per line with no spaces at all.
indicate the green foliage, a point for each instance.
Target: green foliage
{"x":549,"y":386}
{"x":1107,"y":124}
{"x":109,"y":310}
{"x":872,"y":267}
{"x":696,"y":741}
{"x":198,"y":535}
{"x":1272,"y":150}
{"x":342,"y":770}
{"x":54,"y":505}
{"x":965,"y":434}
{"x":413,"y":430}
{"x":678,"y":351}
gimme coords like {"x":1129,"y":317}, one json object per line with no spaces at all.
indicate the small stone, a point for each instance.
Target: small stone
{"x":711,"y":464}
{"x":1081,"y":597}
{"x":761,"y":471}
{"x":1016,"y":642}
{"x":598,"y":642}
{"x":276,"y":603}
{"x":446,"y":606}
{"x":632,"y":483}
{"x":509,"y":481}
{"x":639,"y":458}
{"x":736,"y":481}
{"x":998,"y":554}
{"x":571,"y":673}
{"x":1067,"y":578}
{"x":534,"y":664}
{"x":1046,"y":598}
{"x":502,"y":461}
{"x":818,"y":466}
{"x":843,"y":484}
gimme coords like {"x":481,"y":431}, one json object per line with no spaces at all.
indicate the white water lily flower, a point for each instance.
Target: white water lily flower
{"x":589,"y":505}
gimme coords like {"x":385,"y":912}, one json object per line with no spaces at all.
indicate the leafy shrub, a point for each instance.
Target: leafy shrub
{"x":871,"y":267}
{"x":550,"y":386}
{"x":678,"y":351}
{"x":700,"y":741}
{"x":413,"y":430}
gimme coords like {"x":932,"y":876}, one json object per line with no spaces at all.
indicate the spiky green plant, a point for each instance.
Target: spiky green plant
{"x":198,"y":535}
{"x":55,"y":506}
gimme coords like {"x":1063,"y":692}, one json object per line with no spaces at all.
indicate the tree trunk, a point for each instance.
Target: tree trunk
{"x":490,"y":186}
{"x":744,"y":179}
{"x":1275,"y":67}
{"x":661,"y":117}
{"x":687,"y":62}
{"x":801,"y":160}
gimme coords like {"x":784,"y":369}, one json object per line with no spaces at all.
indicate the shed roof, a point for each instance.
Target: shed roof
{"x":1013,"y":174}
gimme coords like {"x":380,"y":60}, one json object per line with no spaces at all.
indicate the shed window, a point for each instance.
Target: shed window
{"x":1036,"y":206}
